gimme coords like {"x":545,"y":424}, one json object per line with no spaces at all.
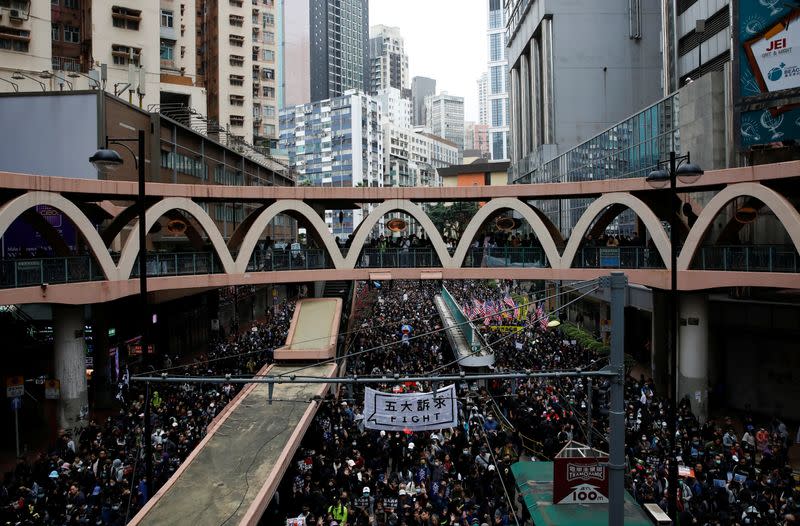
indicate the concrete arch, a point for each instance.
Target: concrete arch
{"x":786,"y":213}
{"x":527,"y":212}
{"x":131,"y":248}
{"x":650,"y":220}
{"x":16,"y":207}
{"x":401,"y":205}
{"x":293,"y":206}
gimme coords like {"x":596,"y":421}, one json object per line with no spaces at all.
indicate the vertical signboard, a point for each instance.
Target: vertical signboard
{"x":768,"y":57}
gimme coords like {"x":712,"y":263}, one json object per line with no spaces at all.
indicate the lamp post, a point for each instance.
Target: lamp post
{"x":667,"y":172}
{"x":107,"y":159}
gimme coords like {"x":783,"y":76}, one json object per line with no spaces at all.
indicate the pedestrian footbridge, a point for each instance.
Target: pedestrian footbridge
{"x":469,"y":347}
{"x":232,"y":474}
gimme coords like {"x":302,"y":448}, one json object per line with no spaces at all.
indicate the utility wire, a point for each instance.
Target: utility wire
{"x":435,"y":331}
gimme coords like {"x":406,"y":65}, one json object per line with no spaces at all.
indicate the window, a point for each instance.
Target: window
{"x":72,"y":34}
{"x":167,"y":50}
{"x":269,"y":37}
{"x":55,"y":31}
{"x":236,"y":20}
{"x":496,"y":80}
{"x":166,"y":18}
{"x":72,"y":4}
{"x":237,"y":100}
{"x":269,"y":55}
{"x":53,"y":2}
{"x":268,"y":20}
{"x":269,"y":92}
{"x":497,"y":112}
{"x":125,"y":18}
{"x":236,"y":80}
{"x":497,"y":146}
{"x":237,"y":120}
{"x":236,"y":3}
{"x":268,"y":74}
{"x":236,"y":60}
{"x":269,"y":111}
{"x":236,"y":40}
{"x":14,"y":39}
{"x":124,"y":55}
{"x":495,"y":51}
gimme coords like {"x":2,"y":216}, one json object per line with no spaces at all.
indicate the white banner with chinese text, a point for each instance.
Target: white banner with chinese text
{"x":414,"y":411}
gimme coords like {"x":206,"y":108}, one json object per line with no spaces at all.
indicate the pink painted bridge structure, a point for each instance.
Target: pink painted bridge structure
{"x":98,"y":275}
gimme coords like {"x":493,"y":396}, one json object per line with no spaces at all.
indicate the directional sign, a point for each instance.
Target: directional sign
{"x":15,"y":386}
{"x":414,"y":411}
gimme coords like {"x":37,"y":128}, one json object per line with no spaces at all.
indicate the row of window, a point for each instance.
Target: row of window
{"x":13,"y":39}
{"x":71,"y":33}
{"x":184,"y":164}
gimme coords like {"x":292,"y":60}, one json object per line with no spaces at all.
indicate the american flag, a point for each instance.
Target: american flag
{"x":541,"y":316}
{"x":510,"y":302}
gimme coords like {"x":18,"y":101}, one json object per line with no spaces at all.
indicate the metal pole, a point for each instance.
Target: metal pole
{"x":672,"y":312}
{"x":616,"y":462}
{"x":16,"y":427}
{"x":589,"y":411}
{"x":145,"y":318}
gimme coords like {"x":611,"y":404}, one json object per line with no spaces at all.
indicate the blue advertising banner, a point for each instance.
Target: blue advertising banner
{"x":21,"y":240}
{"x":769,"y":63}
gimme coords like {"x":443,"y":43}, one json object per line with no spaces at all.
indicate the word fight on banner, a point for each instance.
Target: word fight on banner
{"x":414,"y":411}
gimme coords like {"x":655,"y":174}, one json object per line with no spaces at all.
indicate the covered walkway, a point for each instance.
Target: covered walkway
{"x":231,"y":476}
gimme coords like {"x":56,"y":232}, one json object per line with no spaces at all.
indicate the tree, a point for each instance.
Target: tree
{"x":452,"y":218}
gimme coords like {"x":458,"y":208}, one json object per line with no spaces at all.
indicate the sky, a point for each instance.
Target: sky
{"x":444,"y":39}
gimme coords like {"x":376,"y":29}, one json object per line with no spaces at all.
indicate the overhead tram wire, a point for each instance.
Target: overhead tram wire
{"x":435,"y":331}
{"x":290,"y":376}
{"x":578,"y":286}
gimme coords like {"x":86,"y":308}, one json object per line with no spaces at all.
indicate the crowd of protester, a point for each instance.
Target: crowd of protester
{"x":97,"y":476}
{"x":732,"y":472}
{"x":344,"y":473}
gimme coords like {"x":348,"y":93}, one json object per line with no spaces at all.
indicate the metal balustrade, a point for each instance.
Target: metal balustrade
{"x":76,"y":269}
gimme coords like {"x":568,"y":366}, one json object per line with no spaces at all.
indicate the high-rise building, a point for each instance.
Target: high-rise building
{"x":323,"y":49}
{"x":445,"y":117}
{"x":335,"y":142}
{"x":388,"y":60}
{"x":395,"y":108}
{"x":555,"y":91}
{"x":476,"y":137}
{"x":216,"y":57}
{"x":483,"y":101}
{"x":697,"y":37}
{"x":339,"y":47}
{"x":496,"y":98}
{"x":421,"y":87}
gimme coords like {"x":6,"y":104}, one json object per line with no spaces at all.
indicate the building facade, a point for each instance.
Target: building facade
{"x":496,"y":86}
{"x":421,"y":88}
{"x":335,"y":142}
{"x":445,"y":117}
{"x":483,"y":100}
{"x":394,"y":107}
{"x":388,"y":60}
{"x":339,"y":48}
{"x":555,"y":91}
{"x":476,"y":137}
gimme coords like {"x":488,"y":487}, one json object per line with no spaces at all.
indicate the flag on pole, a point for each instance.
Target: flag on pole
{"x":510,"y":302}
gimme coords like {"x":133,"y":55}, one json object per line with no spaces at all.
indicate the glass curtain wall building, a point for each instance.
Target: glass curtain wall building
{"x":496,"y":83}
{"x":335,"y":142}
{"x":631,"y":148}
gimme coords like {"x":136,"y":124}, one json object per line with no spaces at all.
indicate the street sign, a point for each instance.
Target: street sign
{"x":580,"y":479}
{"x":112,"y":332}
{"x":16,"y":404}
{"x":15,"y":386}
{"x":52,"y":389}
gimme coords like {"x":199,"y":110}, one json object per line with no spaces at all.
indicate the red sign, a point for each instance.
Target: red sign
{"x":582,"y":480}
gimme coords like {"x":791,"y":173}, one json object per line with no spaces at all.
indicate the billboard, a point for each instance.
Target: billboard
{"x":768,"y":55}
{"x":580,"y":480}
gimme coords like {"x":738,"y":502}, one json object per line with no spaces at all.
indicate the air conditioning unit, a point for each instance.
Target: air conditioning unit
{"x":15,"y":14}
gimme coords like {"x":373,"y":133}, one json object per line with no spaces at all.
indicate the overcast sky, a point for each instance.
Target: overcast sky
{"x":445,"y":40}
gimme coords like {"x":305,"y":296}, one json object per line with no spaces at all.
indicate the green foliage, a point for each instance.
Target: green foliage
{"x":586,"y":340}
{"x":451,"y":219}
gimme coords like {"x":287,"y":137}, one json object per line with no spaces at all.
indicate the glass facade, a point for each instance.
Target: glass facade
{"x":495,"y":47}
{"x":631,"y":148}
{"x":496,"y":76}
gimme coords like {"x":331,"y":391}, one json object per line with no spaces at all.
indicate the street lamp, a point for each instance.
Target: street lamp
{"x":667,"y":172}
{"x":107,"y":160}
